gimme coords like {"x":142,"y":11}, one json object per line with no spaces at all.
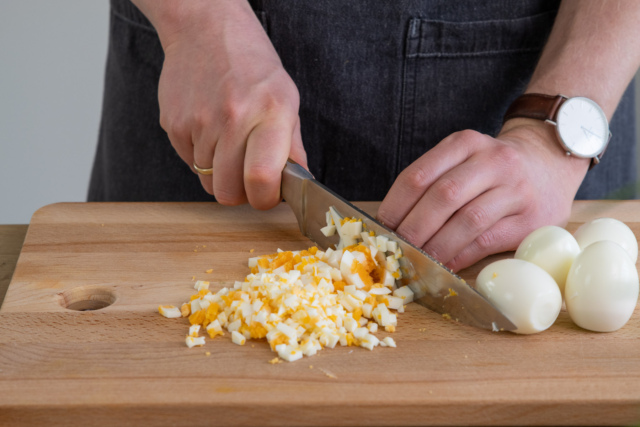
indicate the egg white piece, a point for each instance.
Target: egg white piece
{"x":523,"y":292}
{"x":602,"y":287}
{"x":201,"y":284}
{"x":329,"y":230}
{"x":405,"y":293}
{"x":369,"y":341}
{"x":170,"y":311}
{"x":551,"y":248}
{"x":194,"y":341}
{"x":389,"y":342}
{"x":289,"y":353}
{"x":194,"y":330}
{"x":238,"y":338}
{"x":608,"y":229}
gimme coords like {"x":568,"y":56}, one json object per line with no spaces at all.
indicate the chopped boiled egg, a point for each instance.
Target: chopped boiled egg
{"x":194,"y":341}
{"x":238,"y":338}
{"x":169,"y":311}
{"x":304,"y":301}
{"x":329,"y":230}
{"x":214,"y":329}
{"x":388,"y":342}
{"x":201,"y":284}
{"x":194,"y":330}
{"x":404,"y":293}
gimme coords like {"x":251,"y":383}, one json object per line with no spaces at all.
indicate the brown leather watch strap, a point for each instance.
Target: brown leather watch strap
{"x":535,"y":106}
{"x":541,"y":107}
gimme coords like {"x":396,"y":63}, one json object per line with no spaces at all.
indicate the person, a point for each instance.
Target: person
{"x":395,"y":101}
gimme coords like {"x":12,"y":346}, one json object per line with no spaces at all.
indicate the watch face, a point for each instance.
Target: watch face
{"x":582,"y":127}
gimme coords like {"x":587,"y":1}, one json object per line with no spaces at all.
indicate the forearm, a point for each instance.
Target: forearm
{"x":173,"y":18}
{"x":593,"y":51}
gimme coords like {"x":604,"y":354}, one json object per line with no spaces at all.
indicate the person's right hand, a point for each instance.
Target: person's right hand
{"x":226,"y":102}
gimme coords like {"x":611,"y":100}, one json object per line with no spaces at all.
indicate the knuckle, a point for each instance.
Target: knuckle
{"x":476,"y":218}
{"x":433,"y":251}
{"x":203,"y":118}
{"x":486,"y":241}
{"x":175,"y":128}
{"x":447,"y":191}
{"x":232,"y":112}
{"x":415,"y":179}
{"x":467,"y":135}
{"x":508,"y":155}
{"x":410,"y":233}
{"x":467,"y":138}
{"x":261,"y":176}
{"x":276,"y":103}
{"x":386,"y":218}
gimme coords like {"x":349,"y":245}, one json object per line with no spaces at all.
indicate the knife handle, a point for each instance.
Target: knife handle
{"x":293,"y":173}
{"x":293,"y":188}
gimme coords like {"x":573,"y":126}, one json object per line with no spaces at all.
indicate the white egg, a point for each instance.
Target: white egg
{"x":525,"y":293}
{"x":608,"y":229}
{"x":551,"y":248}
{"x":602,"y":287}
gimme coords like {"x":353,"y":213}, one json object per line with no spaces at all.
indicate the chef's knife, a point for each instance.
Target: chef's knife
{"x":434,"y":286}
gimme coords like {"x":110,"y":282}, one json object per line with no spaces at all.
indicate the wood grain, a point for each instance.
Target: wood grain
{"x":127,"y":365}
{"x":11,"y":239}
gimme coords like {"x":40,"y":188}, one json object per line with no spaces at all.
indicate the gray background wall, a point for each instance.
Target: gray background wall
{"x":52,"y":56}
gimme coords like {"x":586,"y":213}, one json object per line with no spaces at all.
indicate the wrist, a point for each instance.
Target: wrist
{"x":175,"y":19}
{"x":540,"y":136}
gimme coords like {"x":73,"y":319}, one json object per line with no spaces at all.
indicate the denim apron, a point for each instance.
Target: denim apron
{"x":380,"y":84}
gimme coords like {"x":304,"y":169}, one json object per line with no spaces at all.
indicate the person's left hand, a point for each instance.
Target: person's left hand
{"x":473,"y":195}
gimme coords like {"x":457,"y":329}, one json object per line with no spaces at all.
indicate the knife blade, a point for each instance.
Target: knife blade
{"x":434,"y":286}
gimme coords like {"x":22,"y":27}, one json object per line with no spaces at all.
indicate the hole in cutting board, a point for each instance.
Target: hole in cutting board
{"x":87,"y":298}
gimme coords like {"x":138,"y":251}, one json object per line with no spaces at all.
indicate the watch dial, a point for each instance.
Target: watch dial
{"x":583,"y":127}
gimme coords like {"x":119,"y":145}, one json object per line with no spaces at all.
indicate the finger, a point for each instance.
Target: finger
{"x":471,"y":221}
{"x":421,"y":174}
{"x":268,"y":147}
{"x":297,"y":152}
{"x":202,"y":155}
{"x":504,"y":236}
{"x":440,"y":202}
{"x":228,"y":168}
{"x":181,"y":140}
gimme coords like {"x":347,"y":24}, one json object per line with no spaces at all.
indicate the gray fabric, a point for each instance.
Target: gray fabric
{"x":379,"y":87}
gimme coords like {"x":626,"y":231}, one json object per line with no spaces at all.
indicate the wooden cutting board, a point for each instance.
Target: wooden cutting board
{"x":124,"y":364}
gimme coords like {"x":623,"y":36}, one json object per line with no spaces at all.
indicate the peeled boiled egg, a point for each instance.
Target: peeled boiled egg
{"x":608,"y":229}
{"x":525,"y":293}
{"x":551,"y":248}
{"x":602,"y":287}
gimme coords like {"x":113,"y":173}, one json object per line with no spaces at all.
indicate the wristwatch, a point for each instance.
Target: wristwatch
{"x":581,"y":125}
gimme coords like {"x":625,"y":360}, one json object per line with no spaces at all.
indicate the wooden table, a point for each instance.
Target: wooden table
{"x":124,"y":364}
{"x":11,"y":238}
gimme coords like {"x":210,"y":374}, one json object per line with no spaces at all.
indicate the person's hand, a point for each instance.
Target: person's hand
{"x":473,"y":195}
{"x":227,"y":103}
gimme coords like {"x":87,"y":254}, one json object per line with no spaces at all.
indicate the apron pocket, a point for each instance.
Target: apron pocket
{"x":463,"y":75}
